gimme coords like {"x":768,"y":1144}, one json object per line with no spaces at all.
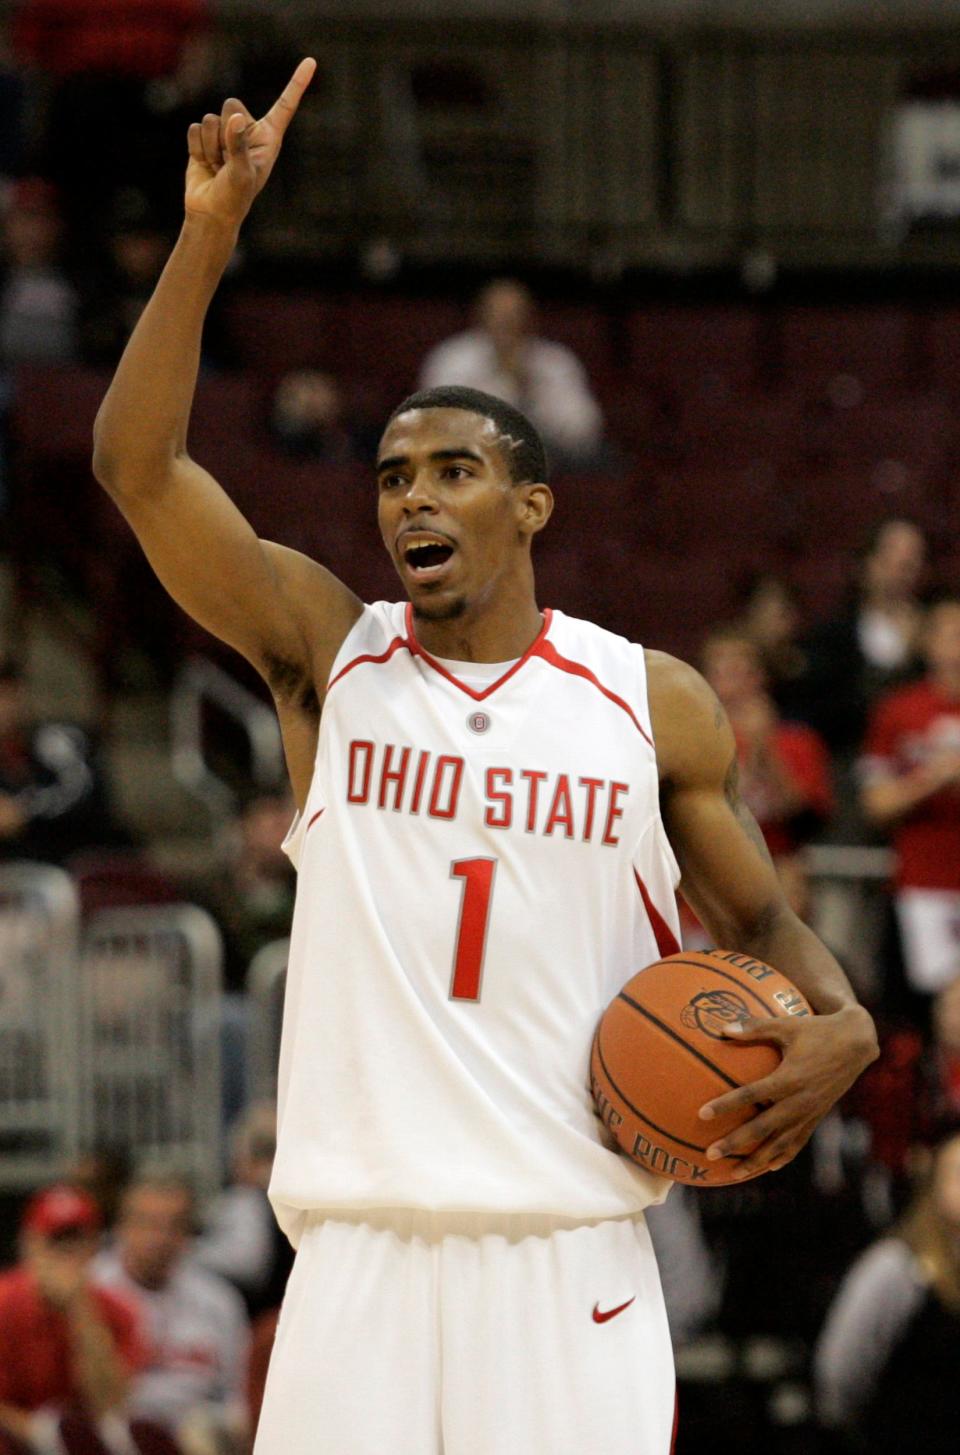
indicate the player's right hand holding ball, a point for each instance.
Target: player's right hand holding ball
{"x":232,"y":155}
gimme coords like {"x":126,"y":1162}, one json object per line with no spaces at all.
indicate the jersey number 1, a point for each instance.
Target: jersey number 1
{"x":477,"y":876}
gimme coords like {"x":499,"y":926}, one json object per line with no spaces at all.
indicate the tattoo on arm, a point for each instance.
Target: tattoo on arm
{"x":746,"y":820}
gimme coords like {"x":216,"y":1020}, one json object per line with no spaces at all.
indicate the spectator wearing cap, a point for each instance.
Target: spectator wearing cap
{"x":66,"y":1346}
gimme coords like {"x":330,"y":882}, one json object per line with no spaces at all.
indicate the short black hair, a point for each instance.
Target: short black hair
{"x":525,"y":450}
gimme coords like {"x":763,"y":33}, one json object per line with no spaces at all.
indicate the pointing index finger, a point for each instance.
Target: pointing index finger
{"x":284,"y":109}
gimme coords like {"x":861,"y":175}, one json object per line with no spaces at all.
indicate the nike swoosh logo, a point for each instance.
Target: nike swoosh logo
{"x":610,"y":1313}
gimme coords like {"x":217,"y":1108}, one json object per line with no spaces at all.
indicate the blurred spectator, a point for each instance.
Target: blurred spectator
{"x":261,"y":1347}
{"x":910,"y":1097}
{"x":943,"y":1064}
{"x":66,"y":1346}
{"x":52,"y":796}
{"x":784,"y":766}
{"x":103,"y":1174}
{"x":38,"y":303}
{"x":242,"y":1241}
{"x":125,"y":272}
{"x":135,"y":253}
{"x":193,"y":1385}
{"x":307,"y":420}
{"x":872,"y":644}
{"x":886,"y":1362}
{"x":911,"y":787}
{"x":250,"y":890}
{"x":13,"y":95}
{"x":99,"y":57}
{"x":691,"y":1278}
{"x":503,"y":355}
{"x":771,"y":618}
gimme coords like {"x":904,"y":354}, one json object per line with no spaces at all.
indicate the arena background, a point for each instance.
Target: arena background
{"x":743,"y":218}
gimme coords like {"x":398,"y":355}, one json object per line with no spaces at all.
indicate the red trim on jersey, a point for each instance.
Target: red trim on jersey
{"x":418,"y":651}
{"x":394,"y":646}
{"x":662,"y":933}
{"x":549,"y":653}
{"x":676,"y":1421}
{"x":317,"y":815}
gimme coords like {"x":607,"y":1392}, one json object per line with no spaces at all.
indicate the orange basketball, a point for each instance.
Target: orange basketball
{"x":660,"y":1053}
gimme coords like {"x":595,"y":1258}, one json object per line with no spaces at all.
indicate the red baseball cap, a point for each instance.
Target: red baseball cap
{"x":60,"y":1209}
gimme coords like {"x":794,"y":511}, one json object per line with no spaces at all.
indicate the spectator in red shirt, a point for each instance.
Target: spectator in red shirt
{"x":911,"y":788}
{"x":784,"y":766}
{"x":66,"y":1347}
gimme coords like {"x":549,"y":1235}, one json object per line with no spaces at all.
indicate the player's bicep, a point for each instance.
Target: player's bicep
{"x":727,"y":875}
{"x":210,"y":560}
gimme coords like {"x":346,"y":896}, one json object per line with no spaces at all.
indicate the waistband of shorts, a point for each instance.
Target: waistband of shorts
{"x":431,"y":1225}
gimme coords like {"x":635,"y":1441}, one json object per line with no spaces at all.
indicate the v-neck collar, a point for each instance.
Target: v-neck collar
{"x":416,"y":650}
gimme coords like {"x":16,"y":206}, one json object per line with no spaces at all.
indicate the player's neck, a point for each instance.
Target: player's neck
{"x":499,"y":635}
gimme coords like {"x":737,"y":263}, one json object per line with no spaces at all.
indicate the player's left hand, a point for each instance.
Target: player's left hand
{"x":822,"y":1056}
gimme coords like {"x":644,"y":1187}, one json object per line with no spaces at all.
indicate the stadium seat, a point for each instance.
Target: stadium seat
{"x":880,"y":346}
{"x":697,"y":350}
{"x":118,"y":880}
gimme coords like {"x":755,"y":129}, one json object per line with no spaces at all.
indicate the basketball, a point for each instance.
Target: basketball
{"x":659,"y":1054}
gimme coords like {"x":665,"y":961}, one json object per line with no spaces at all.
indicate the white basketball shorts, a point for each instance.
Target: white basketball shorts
{"x":438,"y":1334}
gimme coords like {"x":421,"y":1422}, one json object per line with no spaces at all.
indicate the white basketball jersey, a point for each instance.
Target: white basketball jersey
{"x":478,"y":874}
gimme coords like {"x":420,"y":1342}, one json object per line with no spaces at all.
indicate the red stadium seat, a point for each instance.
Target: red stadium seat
{"x":738,"y":509}
{"x":118,"y":880}
{"x":697,"y":350}
{"x":879,"y":346}
{"x":744,"y":426}
{"x":279,"y":331}
{"x":941,"y":330}
{"x":916,"y":430}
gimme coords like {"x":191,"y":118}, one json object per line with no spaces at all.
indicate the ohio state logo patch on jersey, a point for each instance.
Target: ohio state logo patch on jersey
{"x":478,"y":722}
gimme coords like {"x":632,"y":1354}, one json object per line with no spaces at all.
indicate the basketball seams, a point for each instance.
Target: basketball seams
{"x":704,"y":1060}
{"x":691,"y":1146}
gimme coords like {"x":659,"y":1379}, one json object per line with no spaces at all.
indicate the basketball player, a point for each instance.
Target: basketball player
{"x":488,"y":845}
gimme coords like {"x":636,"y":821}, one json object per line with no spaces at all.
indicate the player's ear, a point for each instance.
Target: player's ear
{"x":534,"y":506}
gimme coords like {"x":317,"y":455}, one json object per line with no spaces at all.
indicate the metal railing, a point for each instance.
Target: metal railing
{"x":39,"y":920}
{"x":200,"y":683}
{"x":149,"y":1044}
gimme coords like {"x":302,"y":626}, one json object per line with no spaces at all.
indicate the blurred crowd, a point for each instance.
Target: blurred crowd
{"x":135,"y":1320}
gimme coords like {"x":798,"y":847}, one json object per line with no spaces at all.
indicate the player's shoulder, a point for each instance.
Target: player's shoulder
{"x":693,"y":737}
{"x":613,"y":658}
{"x":380,"y":627}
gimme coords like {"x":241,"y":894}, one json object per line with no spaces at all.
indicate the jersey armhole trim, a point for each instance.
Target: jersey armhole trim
{"x":549,"y":654}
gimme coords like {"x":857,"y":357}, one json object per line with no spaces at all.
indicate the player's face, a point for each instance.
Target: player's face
{"x":450,"y":515}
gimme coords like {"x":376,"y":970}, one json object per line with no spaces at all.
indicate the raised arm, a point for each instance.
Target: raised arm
{"x":729,"y":880}
{"x":286,"y":614}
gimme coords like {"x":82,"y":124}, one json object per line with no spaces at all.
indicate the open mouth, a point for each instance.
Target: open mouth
{"x":426,"y":558}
